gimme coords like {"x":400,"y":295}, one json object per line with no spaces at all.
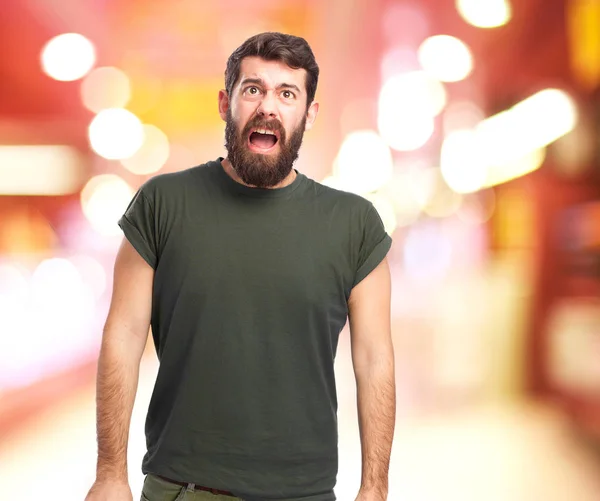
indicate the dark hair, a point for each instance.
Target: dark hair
{"x":271,"y":46}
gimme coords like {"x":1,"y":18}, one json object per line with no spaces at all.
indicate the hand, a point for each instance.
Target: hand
{"x":372,"y":495}
{"x":110,"y":490}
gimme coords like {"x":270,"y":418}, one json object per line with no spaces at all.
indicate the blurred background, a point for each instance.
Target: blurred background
{"x":472,"y":125}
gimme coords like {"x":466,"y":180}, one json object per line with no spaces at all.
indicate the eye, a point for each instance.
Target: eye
{"x":253,"y":90}
{"x":288,"y":94}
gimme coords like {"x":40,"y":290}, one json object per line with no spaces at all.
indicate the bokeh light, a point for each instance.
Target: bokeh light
{"x":40,"y":169}
{"x":153,"y":153}
{"x":13,"y":285}
{"x":422,"y":180}
{"x":14,"y":290}
{"x":507,"y":145}
{"x":460,"y":115}
{"x":399,"y":60}
{"x":385,"y":208}
{"x":405,"y":132}
{"x":399,"y":191}
{"x":407,"y":105}
{"x":462,"y":163}
{"x":446,"y":57}
{"x":335,"y":183}
{"x":62,"y":309}
{"x":53,"y":278}
{"x":432,"y":193}
{"x":105,"y":87}
{"x":514,"y":140}
{"x":364,"y":162}
{"x":504,"y":170}
{"x":547,"y":115}
{"x":413,"y":92}
{"x":116,"y":134}
{"x":485,"y":13}
{"x":104,"y":199}
{"x":92,"y":273}
{"x":68,"y":57}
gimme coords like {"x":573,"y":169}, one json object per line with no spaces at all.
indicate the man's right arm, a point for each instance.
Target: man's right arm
{"x":123,"y":341}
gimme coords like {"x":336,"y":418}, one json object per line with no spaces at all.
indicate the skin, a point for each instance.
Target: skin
{"x":127,"y":326}
{"x":373,"y":362}
{"x":123,"y":341}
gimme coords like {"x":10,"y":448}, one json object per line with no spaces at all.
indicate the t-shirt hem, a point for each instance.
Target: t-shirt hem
{"x":325,"y":496}
{"x":376,"y":256}
{"x":137,"y":241}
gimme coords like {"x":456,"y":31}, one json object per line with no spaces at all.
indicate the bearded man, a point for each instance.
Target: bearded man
{"x":246,"y":270}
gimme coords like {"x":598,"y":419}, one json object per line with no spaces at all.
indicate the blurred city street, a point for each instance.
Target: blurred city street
{"x":473,"y":128}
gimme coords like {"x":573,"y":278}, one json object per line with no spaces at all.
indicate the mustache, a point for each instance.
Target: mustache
{"x":260,"y":123}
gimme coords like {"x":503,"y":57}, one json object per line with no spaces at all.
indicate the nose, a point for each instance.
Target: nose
{"x":267,"y":107}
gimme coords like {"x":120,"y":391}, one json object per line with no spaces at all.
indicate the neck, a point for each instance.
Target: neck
{"x":233,"y":175}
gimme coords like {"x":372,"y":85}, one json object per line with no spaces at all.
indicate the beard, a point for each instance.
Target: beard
{"x":256,"y":169}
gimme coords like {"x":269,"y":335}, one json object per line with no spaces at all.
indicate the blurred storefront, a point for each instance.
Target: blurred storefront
{"x":472,"y":126}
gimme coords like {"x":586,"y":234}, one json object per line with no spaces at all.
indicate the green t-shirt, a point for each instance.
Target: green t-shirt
{"x":250,"y":295}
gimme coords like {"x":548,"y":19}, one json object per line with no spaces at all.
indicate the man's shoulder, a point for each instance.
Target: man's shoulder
{"x":169,"y":182}
{"x":339,"y":197}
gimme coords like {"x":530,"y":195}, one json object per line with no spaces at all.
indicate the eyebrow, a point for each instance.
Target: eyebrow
{"x":259,"y":81}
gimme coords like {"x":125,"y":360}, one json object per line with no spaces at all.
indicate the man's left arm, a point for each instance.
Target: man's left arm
{"x":373,"y":361}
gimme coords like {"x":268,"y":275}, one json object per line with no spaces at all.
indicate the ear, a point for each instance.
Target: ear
{"x":311,"y":116}
{"x":223,"y":104}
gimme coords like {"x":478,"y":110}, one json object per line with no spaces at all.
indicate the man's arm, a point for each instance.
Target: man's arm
{"x":123,"y":341}
{"x":373,"y":360}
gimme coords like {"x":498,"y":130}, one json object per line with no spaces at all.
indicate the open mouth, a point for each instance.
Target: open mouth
{"x":262,"y":140}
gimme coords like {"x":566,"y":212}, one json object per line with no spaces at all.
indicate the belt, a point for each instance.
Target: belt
{"x":199,"y":487}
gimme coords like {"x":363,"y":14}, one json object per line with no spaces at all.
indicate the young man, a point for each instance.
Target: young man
{"x":246,"y":271}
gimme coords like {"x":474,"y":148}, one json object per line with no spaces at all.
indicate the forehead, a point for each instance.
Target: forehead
{"x":272,"y":73}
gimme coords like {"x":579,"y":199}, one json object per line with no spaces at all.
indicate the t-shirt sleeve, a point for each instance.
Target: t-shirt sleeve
{"x":138,"y":225}
{"x":374,"y":246}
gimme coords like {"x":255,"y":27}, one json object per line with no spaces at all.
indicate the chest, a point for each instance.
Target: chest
{"x":281,"y":255}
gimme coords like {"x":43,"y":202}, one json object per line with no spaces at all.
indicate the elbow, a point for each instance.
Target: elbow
{"x":377,"y":362}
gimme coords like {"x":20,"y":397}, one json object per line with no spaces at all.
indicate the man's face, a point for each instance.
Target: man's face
{"x":266,"y":116}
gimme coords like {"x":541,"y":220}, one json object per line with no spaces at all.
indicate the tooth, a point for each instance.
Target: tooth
{"x":264,"y":131}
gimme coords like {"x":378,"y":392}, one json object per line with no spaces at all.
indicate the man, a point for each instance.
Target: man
{"x":246,"y":271}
